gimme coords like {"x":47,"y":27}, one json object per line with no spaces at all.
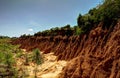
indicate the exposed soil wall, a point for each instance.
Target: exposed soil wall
{"x":96,"y":55}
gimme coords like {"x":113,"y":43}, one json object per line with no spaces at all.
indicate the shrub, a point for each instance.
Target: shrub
{"x":37,"y":57}
{"x":7,"y":59}
{"x":78,"y":30}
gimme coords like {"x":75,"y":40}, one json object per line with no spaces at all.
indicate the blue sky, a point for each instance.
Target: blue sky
{"x":19,"y":17}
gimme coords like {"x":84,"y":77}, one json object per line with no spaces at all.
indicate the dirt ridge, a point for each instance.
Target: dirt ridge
{"x":95,"y":55}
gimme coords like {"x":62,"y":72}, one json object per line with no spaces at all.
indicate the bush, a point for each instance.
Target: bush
{"x":78,"y":30}
{"x":37,"y":57}
{"x":7,"y":58}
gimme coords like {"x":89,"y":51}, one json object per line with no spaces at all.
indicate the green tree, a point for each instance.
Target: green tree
{"x":80,"y":20}
{"x":107,"y":12}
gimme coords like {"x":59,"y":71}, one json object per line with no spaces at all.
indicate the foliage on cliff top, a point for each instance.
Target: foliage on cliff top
{"x":107,"y":12}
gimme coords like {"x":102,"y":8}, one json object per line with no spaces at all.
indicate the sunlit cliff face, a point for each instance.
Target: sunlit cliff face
{"x":87,"y":55}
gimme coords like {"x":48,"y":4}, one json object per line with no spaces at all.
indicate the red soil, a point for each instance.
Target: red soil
{"x":96,"y":55}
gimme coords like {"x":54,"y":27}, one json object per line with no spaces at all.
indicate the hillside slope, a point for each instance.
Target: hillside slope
{"x":95,"y":55}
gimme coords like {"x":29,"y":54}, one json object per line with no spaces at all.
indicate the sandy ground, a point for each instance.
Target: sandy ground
{"x":51,"y":68}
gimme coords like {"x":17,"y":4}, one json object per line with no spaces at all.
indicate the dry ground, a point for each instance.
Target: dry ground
{"x":51,"y":68}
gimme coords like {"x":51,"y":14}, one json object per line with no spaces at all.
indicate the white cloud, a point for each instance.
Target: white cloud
{"x":30,"y":30}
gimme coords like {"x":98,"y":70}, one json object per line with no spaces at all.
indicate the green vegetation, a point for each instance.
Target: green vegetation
{"x":37,"y":57}
{"x":108,"y":12}
{"x":7,"y":58}
{"x":78,"y":30}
